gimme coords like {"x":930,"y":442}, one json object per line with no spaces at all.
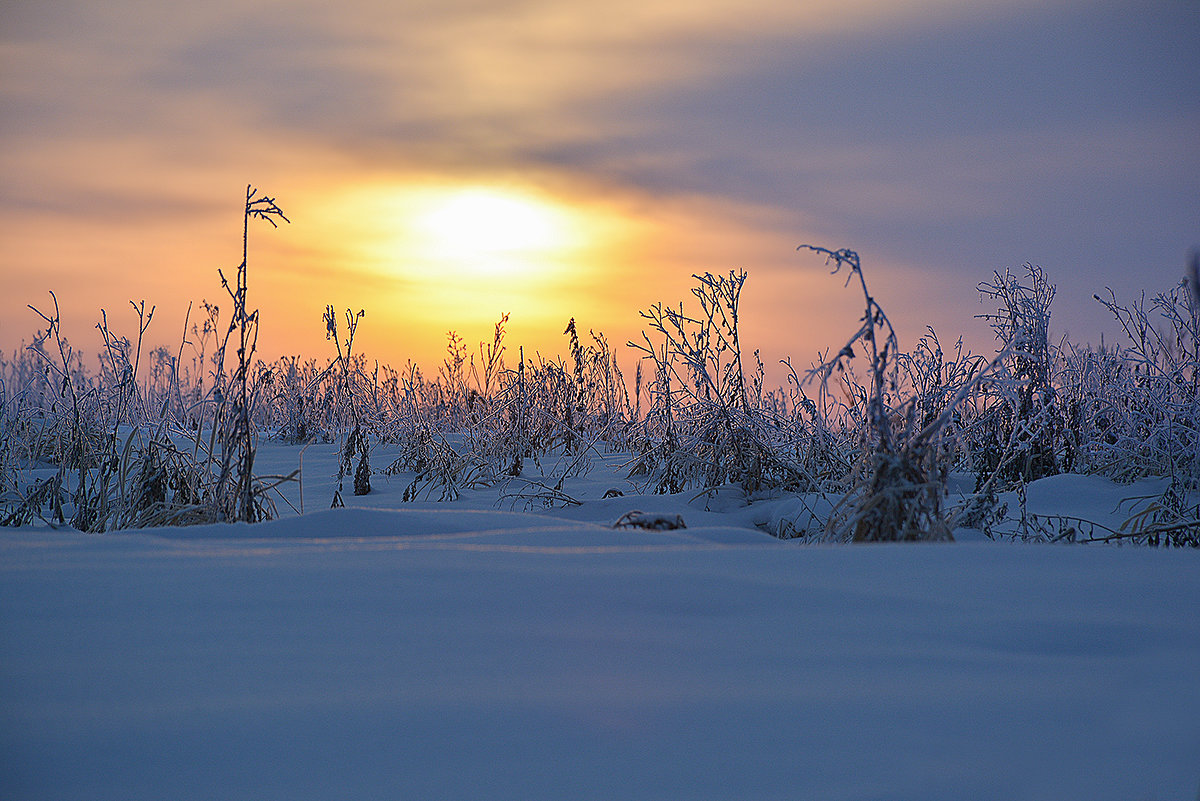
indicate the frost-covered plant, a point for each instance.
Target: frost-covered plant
{"x":348,"y":376}
{"x":454,"y":393}
{"x":934,"y":378}
{"x":597,"y":402}
{"x":898,"y":485}
{"x":108,"y":474}
{"x":1022,"y":430}
{"x":491,"y":360}
{"x":817,"y":433}
{"x":468,"y":428}
{"x":1150,"y":413}
{"x":81,"y":446}
{"x":93,"y":434}
{"x":238,"y":496}
{"x":702,"y":431}
{"x":1151,"y":416}
{"x":299,"y":403}
{"x":1126,"y":411}
{"x":169,"y":437}
{"x":123,"y":461}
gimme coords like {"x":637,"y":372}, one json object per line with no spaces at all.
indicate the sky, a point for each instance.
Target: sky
{"x":446,"y":161}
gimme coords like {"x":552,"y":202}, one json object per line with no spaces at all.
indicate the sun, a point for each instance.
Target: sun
{"x":485,"y":231}
{"x":441,"y":253}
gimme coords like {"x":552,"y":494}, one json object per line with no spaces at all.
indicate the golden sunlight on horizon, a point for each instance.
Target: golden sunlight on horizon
{"x":461,"y":231}
{"x":476,"y":232}
{"x":428,"y":253}
{"x":435,"y":254}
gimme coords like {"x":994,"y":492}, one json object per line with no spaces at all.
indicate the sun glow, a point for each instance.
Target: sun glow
{"x":434,"y":231}
{"x":455,"y":255}
{"x":489,"y":231}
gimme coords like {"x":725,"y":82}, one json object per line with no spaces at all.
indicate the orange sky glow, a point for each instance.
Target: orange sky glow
{"x":443,"y":163}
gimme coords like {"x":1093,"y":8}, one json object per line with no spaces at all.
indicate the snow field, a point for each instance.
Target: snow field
{"x":459,"y":654}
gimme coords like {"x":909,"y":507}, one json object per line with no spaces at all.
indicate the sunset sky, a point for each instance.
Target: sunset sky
{"x":444,"y":161}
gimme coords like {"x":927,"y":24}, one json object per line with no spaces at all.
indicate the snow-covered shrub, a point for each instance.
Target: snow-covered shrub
{"x":1151,"y":412}
{"x":598,"y":403}
{"x":487,"y":424}
{"x":348,"y":378}
{"x":298,"y":402}
{"x":1020,"y":432}
{"x":702,"y":431}
{"x":1148,"y":414}
{"x":125,"y":458}
{"x":898,"y":483}
{"x":109,"y":473}
{"x":154,"y":438}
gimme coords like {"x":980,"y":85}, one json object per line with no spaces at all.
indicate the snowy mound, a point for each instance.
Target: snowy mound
{"x":451,"y":654}
{"x":451,"y":527}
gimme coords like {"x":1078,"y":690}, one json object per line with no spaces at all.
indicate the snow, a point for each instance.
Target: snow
{"x":460,"y":651}
{"x":1092,"y":498}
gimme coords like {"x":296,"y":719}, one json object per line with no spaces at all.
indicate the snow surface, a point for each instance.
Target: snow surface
{"x":437,"y":651}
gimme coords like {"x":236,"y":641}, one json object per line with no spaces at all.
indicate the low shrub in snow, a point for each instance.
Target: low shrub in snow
{"x":862,"y":444}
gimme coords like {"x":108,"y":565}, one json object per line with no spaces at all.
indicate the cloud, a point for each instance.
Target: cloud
{"x":435,"y":76}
